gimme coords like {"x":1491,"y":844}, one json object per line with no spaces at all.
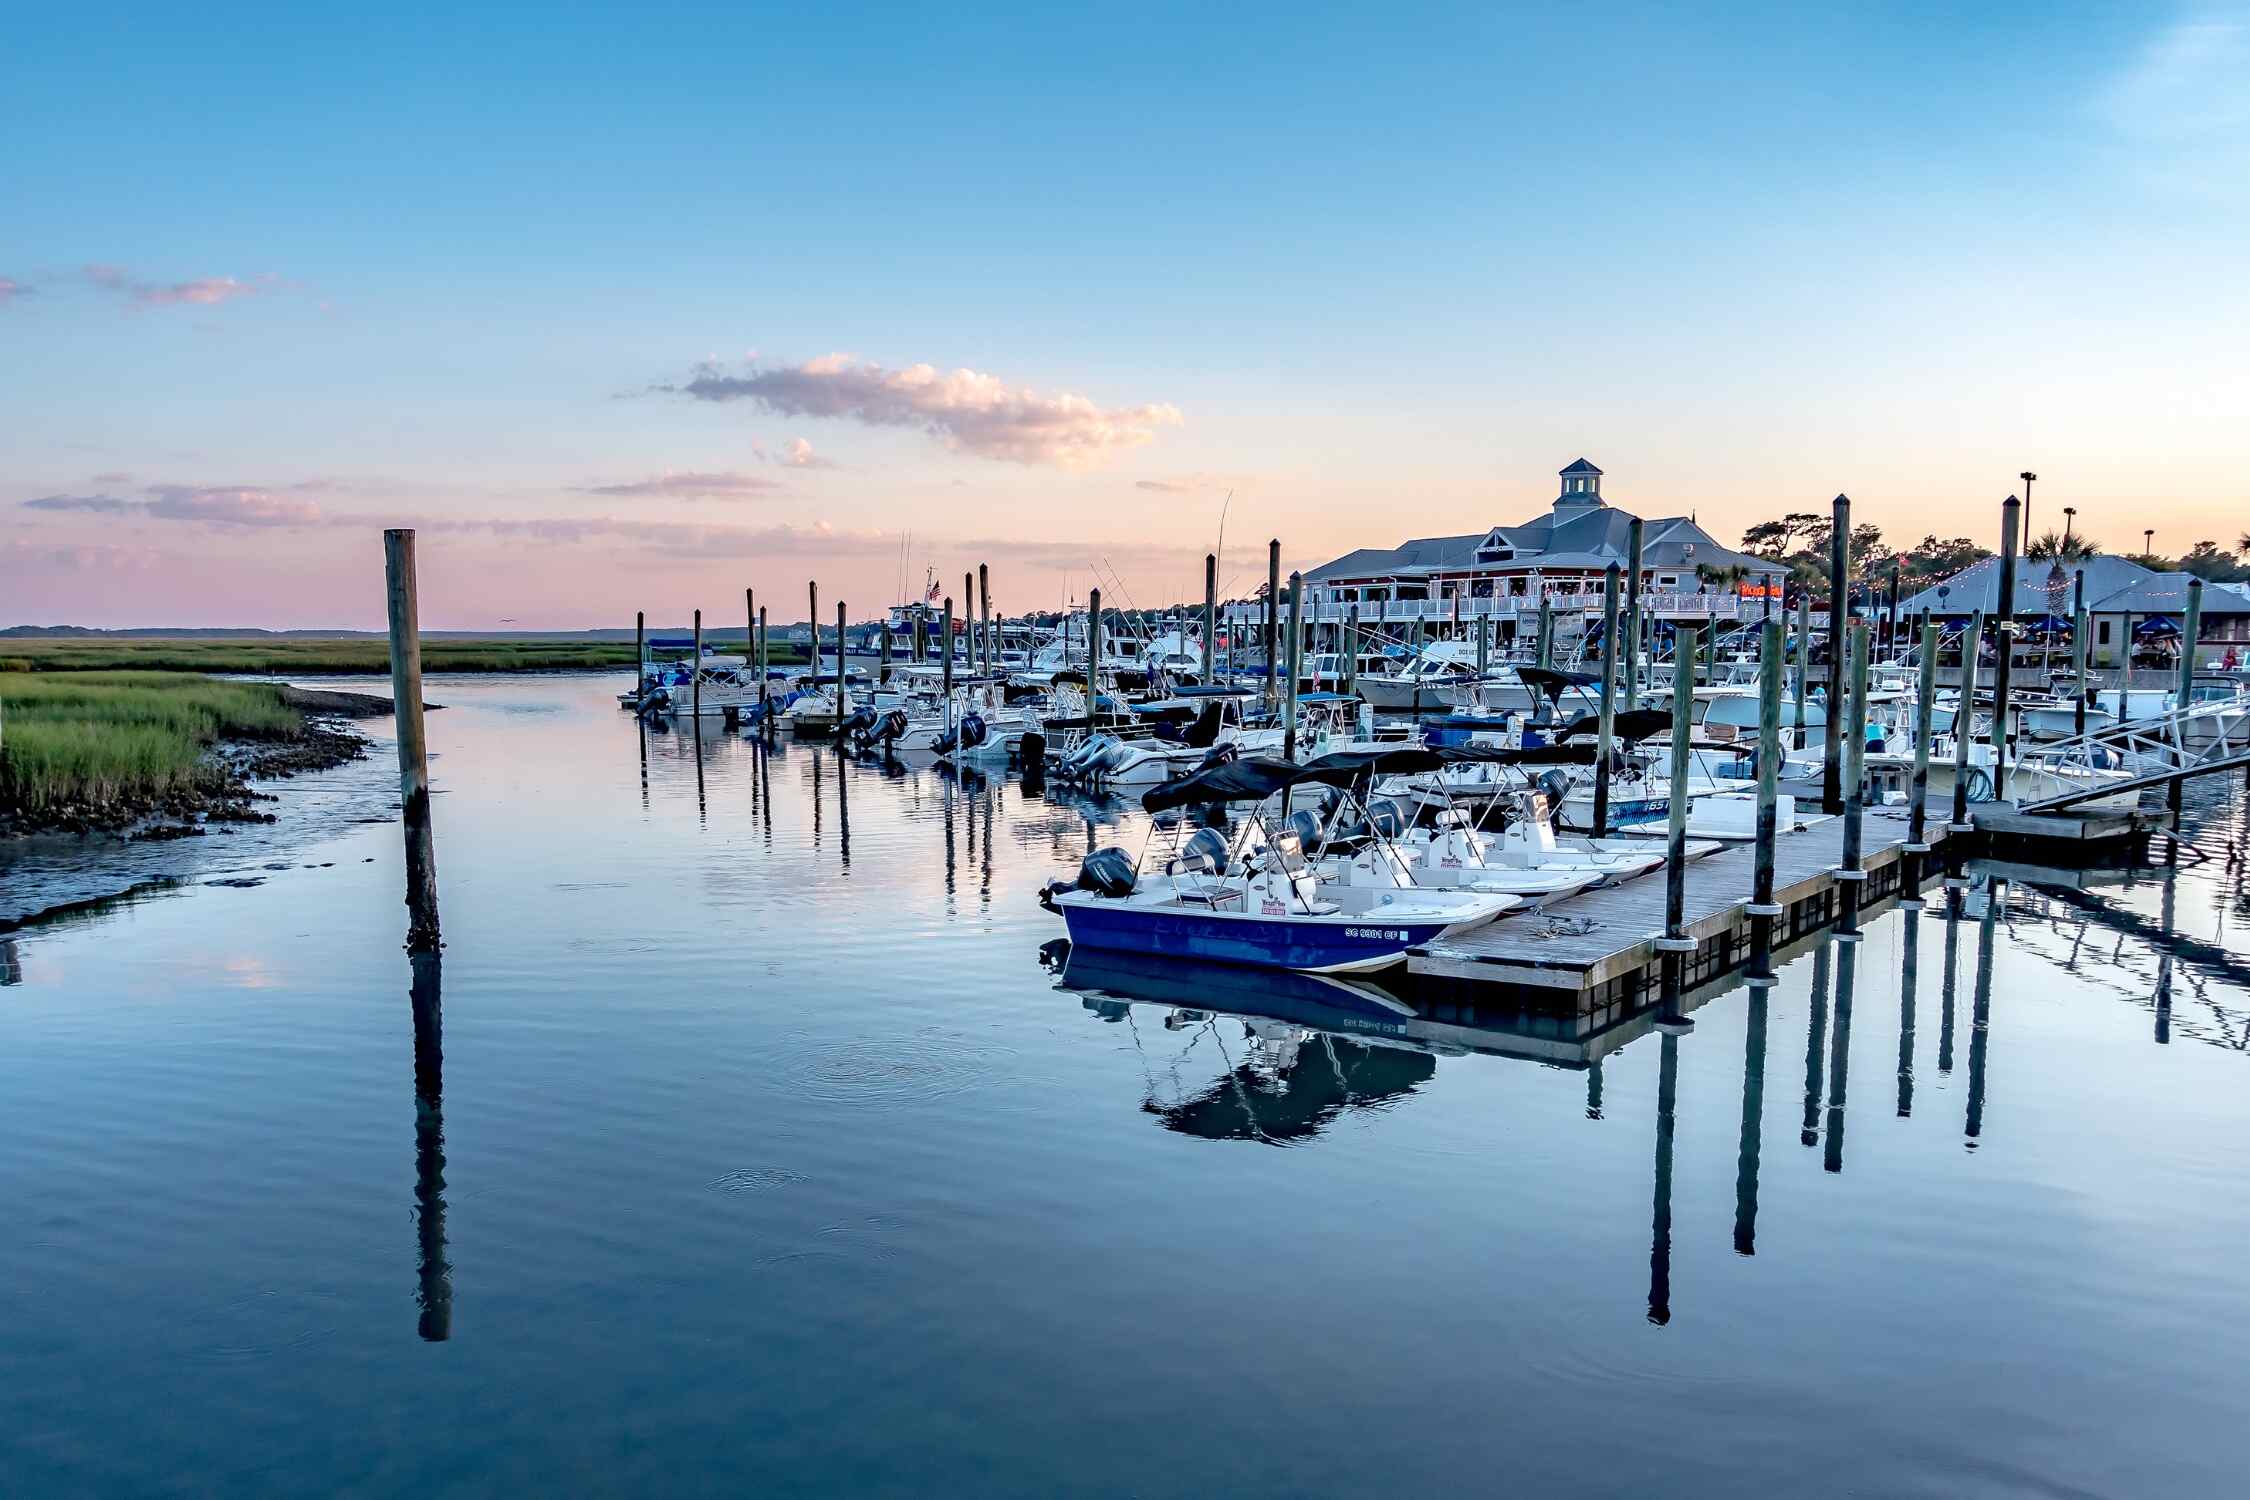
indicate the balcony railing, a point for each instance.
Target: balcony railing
{"x":1663,"y":603}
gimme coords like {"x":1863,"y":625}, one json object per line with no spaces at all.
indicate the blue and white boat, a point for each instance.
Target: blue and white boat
{"x":1254,"y":897}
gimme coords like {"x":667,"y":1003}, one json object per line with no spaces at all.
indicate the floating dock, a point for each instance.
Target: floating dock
{"x":1601,"y":947}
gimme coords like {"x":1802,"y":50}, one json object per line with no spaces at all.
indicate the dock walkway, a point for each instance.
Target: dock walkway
{"x":1602,"y":945}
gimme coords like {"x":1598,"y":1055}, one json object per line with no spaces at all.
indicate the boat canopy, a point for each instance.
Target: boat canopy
{"x":1630,"y":727}
{"x":1254,"y":778}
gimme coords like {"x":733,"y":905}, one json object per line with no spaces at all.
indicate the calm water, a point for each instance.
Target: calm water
{"x":745,"y":1145}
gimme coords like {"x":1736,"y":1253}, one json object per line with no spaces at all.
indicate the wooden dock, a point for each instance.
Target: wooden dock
{"x":1600,"y":947}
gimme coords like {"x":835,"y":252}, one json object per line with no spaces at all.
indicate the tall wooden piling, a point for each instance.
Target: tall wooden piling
{"x":1964,"y":723}
{"x":2082,"y":646}
{"x":1629,"y":676}
{"x":1210,"y":611}
{"x":1676,"y":945}
{"x":1918,"y":795}
{"x":1762,"y":909}
{"x":812,"y":656}
{"x":1093,"y":653}
{"x":1273,"y":612}
{"x":765,"y":673}
{"x":1804,"y":670}
{"x":403,"y":597}
{"x":2004,"y":631}
{"x":1484,"y":645}
{"x":695,"y":673}
{"x":884,"y":669}
{"x":1605,"y":738}
{"x":1839,"y":611}
{"x":843,"y":693}
{"x":1296,"y":664}
{"x":2190,"y":628}
{"x":750,"y":628}
{"x":1851,"y":873}
{"x":1351,"y":652}
{"x":640,"y":647}
{"x":945,"y":658}
{"x":969,"y":622}
{"x":984,"y":613}
{"x":1546,"y":629}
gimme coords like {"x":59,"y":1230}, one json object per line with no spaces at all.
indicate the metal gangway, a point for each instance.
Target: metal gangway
{"x":2199,"y":740}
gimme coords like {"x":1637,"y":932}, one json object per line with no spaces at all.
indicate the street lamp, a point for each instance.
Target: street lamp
{"x":2148,"y":543}
{"x":2070,"y":513}
{"x":2027,"y":476}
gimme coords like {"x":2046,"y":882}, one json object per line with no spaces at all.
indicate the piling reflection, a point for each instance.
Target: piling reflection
{"x":1816,"y":1032}
{"x":1909,"y":975}
{"x":1660,"y":1219}
{"x":1980,"y":1016}
{"x":1753,"y":1125}
{"x":1840,"y":1056}
{"x":434,"y":1294}
{"x":1949,"y":982}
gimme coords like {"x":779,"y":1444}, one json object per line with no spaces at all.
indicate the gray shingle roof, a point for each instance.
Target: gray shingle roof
{"x":1581,"y":467}
{"x":2114,"y":585}
{"x":1591,"y":537}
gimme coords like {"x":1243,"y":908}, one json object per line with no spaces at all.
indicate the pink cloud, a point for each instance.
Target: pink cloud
{"x":968,"y":411}
{"x":799,"y":455}
{"x":204,"y":291}
{"x":223,"y":505}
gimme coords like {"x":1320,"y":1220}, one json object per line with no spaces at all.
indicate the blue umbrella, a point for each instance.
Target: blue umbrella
{"x":2158,"y":625}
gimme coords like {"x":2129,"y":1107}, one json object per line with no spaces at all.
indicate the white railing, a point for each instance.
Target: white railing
{"x":1664,"y":603}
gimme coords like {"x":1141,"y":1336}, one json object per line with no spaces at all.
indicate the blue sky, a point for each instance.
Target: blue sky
{"x":1377,"y":273}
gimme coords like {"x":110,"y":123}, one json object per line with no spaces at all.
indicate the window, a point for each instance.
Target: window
{"x":2103,"y":635}
{"x":1668,"y":581}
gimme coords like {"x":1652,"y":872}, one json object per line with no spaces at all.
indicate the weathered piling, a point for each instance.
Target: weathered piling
{"x":1763,"y":910}
{"x":750,"y":628}
{"x":2004,"y":631}
{"x":984,"y":614}
{"x":2082,"y":645}
{"x":1093,"y":651}
{"x":946,"y":660}
{"x":1211,"y":610}
{"x":1839,"y":564}
{"x":1484,"y":645}
{"x":765,"y":672}
{"x":1676,"y":945}
{"x":1964,"y":722}
{"x":1273,"y":611}
{"x":1850,"y":873}
{"x":1296,"y":663}
{"x":812,"y":657}
{"x":403,"y":597}
{"x":1804,"y":670}
{"x":843,"y":693}
{"x":2190,"y":628}
{"x":883,"y":673}
{"x":695,"y":673}
{"x":1546,"y":630}
{"x":969,"y":622}
{"x":640,"y":646}
{"x":1606,"y":734}
{"x":1630,"y":683}
{"x":1351,"y":652}
{"x":1918,"y":795}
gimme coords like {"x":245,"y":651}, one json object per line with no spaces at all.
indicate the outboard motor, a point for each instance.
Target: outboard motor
{"x":1385,"y":818}
{"x":857,"y":724}
{"x":1553,"y":787}
{"x":889,"y":725}
{"x":973,"y":731}
{"x":1209,"y":846}
{"x":1107,"y":872}
{"x":1305,"y":824}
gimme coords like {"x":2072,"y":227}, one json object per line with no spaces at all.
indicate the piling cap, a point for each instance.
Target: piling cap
{"x":2011,"y":500}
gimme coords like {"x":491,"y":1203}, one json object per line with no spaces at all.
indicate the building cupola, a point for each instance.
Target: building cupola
{"x":1581,"y":488}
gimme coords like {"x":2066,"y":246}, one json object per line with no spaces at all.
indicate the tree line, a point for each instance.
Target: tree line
{"x":1800,"y":542}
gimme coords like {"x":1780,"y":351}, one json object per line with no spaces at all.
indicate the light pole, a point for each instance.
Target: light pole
{"x":2148,"y":543}
{"x":2070,"y":514}
{"x":2027,"y":476}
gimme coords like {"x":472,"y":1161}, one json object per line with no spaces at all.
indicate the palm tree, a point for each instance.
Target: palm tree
{"x":2052,"y":548}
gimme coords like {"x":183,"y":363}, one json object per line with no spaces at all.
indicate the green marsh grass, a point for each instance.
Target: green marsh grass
{"x":105,"y":737}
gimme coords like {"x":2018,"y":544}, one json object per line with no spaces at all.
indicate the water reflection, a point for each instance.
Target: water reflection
{"x":1753,"y":1125}
{"x":1980,"y":1015}
{"x":1840,"y":1056}
{"x":1909,"y":976}
{"x":1816,"y":1031}
{"x":1660,"y":1221}
{"x":435,"y":1276}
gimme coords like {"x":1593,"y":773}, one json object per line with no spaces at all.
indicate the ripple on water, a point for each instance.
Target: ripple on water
{"x":889,"y":1071}
{"x":755,"y":1180}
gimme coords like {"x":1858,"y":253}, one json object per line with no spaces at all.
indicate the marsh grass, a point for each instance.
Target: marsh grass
{"x":107,"y":737}
{"x":356,"y":656}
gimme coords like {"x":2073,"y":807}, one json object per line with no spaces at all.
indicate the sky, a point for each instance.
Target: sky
{"x":634,"y":307}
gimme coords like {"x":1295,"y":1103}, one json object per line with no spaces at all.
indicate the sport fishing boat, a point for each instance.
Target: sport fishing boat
{"x":1254,"y":897}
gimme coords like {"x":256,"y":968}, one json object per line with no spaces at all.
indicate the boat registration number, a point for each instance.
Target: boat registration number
{"x":1379,"y":934}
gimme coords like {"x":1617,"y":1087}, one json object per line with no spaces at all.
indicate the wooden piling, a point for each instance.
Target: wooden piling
{"x":984,"y":614}
{"x":969,"y":622}
{"x":883,"y":674}
{"x":1094,"y":653}
{"x":750,"y":628}
{"x":1546,"y":628}
{"x":1273,"y":612}
{"x":1296,"y":664}
{"x":1925,"y":707}
{"x":1606,"y":734}
{"x":1839,"y":611}
{"x":2004,"y":629}
{"x":1851,"y":873}
{"x":1964,"y":723}
{"x":2190,"y":628}
{"x":765,"y":673}
{"x":843,"y":693}
{"x":1763,"y":911}
{"x":640,"y":647}
{"x":1484,"y":645}
{"x":2082,"y":646}
{"x":1351,"y":652}
{"x":402,"y":593}
{"x":1676,"y":945}
{"x":812,"y":657}
{"x":1804,"y":670}
{"x":1210,"y":611}
{"x":945,"y":658}
{"x":1630,"y":684}
{"x":695,"y":673}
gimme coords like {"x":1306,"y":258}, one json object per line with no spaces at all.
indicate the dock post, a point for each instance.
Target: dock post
{"x":1964,"y":719}
{"x":812,"y":655}
{"x":413,"y":746}
{"x":695,"y":690}
{"x":1762,"y":910}
{"x":765,"y":674}
{"x":1296,"y":663}
{"x":1676,"y":945}
{"x":1211,"y":611}
{"x":968,"y":622}
{"x":640,"y":648}
{"x":1273,"y":613}
{"x":1804,"y":669}
{"x":1351,"y":652}
{"x":945,"y":661}
{"x":2004,"y":630}
{"x":750,"y":628}
{"x":1630,"y":684}
{"x":984,"y":614}
{"x":1918,"y":796}
{"x":1456,"y":613}
{"x":2081,"y":627}
{"x":1606,"y":735}
{"x":1546,"y":628}
{"x":1850,"y":872}
{"x":884,"y":673}
{"x":1839,"y":611}
{"x":1484,"y":645}
{"x":843,"y":693}
{"x":1093,"y":653}
{"x":2190,"y":628}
